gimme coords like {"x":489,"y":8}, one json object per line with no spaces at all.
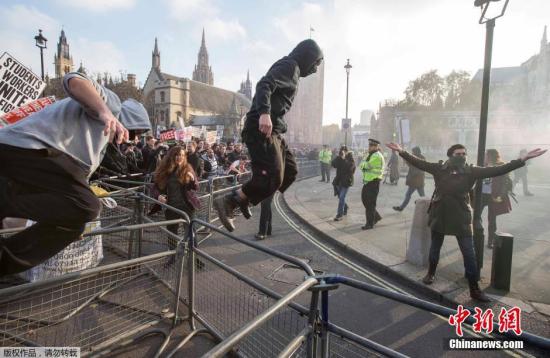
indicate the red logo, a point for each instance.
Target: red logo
{"x":510,"y":320}
{"x":457,"y":319}
{"x":507,"y":320}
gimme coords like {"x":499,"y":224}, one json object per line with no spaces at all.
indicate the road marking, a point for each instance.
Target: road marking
{"x":382,"y":282}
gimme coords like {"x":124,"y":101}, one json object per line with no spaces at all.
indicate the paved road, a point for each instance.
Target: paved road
{"x":410,"y":331}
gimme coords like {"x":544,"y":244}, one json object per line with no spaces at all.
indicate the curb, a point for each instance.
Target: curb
{"x":370,"y":262}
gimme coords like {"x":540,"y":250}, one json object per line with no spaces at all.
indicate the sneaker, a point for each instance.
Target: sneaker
{"x":243,"y":205}
{"x":225,"y":206}
{"x":260,"y":236}
{"x":397,"y":208}
{"x":367,"y":227}
{"x":338,"y":218}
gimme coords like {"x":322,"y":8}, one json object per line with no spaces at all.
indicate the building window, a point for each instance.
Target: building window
{"x":162,"y":96}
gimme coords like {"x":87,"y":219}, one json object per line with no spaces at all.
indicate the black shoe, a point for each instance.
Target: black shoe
{"x":225,"y":206}
{"x":260,"y":236}
{"x":367,"y":227}
{"x":338,"y":218}
{"x":397,"y":208}
{"x":243,"y":205}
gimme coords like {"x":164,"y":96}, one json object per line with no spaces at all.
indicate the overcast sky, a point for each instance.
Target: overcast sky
{"x":388,"y":42}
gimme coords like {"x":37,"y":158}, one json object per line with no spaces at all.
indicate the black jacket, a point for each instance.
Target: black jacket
{"x":344,"y":172}
{"x":276,"y":90}
{"x":451,"y":210}
{"x":415,"y":176}
{"x":196,"y":163}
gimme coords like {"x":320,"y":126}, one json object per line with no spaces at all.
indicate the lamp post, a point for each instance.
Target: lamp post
{"x":348,"y":68}
{"x":41,"y":44}
{"x":489,"y":22}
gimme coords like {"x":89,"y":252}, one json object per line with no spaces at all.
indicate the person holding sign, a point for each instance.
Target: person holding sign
{"x":273,"y":164}
{"x":47,"y":159}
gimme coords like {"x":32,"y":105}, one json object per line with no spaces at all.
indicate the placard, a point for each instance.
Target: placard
{"x":18,"y":84}
{"x":25,"y":110}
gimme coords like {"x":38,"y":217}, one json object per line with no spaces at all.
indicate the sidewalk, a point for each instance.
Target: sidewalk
{"x":387,"y":243}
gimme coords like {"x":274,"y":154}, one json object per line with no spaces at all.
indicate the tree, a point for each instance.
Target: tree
{"x":456,"y":83}
{"x":425,"y":91}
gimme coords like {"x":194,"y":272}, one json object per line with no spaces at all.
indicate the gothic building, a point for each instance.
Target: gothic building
{"x":524,"y":86}
{"x":63,"y":61}
{"x":246,"y":87}
{"x":203,"y":71}
{"x":171,"y":100}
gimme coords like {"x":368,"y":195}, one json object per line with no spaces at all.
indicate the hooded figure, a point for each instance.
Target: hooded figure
{"x":273,"y":165}
{"x":276,"y":90}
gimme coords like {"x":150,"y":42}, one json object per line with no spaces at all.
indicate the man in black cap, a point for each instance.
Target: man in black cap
{"x":273,"y":165}
{"x":372,"y":168}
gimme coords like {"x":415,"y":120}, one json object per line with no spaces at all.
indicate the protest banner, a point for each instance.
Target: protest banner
{"x":211,"y":137}
{"x":80,"y":255}
{"x":196,"y":132}
{"x":184,"y":134}
{"x":18,"y":84}
{"x":168,"y":135}
{"x":25,"y":110}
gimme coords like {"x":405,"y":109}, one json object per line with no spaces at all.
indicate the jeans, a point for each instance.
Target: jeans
{"x":342,"y":192}
{"x":466,"y":245}
{"x":409,"y":193}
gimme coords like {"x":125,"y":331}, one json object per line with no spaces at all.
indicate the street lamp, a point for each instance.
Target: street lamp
{"x":489,"y":21}
{"x":41,"y":44}
{"x":348,"y":68}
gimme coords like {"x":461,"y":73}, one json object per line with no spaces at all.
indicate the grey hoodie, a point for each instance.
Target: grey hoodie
{"x":69,"y":127}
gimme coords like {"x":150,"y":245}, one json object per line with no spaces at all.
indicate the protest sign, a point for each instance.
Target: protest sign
{"x":196,"y":132}
{"x":211,"y":137}
{"x":80,"y":255}
{"x":25,"y":110}
{"x":18,"y":84}
{"x":168,"y":135}
{"x":184,"y":134}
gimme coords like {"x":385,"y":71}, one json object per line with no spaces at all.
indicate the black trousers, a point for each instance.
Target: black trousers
{"x":325,"y":171}
{"x":265,"y":216}
{"x":173,"y":228}
{"x":273,"y":168}
{"x":48,"y":187}
{"x":369,"y":194}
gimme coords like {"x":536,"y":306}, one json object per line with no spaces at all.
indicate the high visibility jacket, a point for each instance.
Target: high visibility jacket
{"x":325,"y":156}
{"x":373,"y":168}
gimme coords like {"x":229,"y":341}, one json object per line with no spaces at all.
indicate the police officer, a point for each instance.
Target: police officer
{"x":372,"y":168}
{"x":325,"y":158}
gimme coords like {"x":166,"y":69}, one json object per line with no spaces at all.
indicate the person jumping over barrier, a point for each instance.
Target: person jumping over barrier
{"x":273,"y":164}
{"x":47,"y":159}
{"x":450,"y":210}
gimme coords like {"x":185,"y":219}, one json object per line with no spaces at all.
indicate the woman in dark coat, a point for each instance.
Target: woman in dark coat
{"x":495,"y":194}
{"x":393,"y":165}
{"x":450,"y":211}
{"x":415,"y":181}
{"x":177,"y":180}
{"x":345,"y":168}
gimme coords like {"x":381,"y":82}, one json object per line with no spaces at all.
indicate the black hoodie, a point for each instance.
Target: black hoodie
{"x":276,"y":90}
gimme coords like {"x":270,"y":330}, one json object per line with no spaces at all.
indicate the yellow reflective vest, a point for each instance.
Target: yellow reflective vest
{"x":325,"y":156}
{"x":373,"y":168}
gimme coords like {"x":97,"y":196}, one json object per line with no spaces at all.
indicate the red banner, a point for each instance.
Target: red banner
{"x":25,"y":110}
{"x":168,"y":135}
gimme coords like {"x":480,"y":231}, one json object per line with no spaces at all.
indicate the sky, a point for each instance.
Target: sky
{"x":388,"y":42}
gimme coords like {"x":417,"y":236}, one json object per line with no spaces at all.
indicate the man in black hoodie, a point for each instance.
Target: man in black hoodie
{"x":273,"y":165}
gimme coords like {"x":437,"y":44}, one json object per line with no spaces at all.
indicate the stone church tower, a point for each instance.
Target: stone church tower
{"x":246,"y":87}
{"x":63,"y":61}
{"x":156,"y":56}
{"x":203,"y":71}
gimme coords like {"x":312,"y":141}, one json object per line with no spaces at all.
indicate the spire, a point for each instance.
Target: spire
{"x":544,"y":40}
{"x":155,"y":63}
{"x":203,"y":71}
{"x":248,"y":76}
